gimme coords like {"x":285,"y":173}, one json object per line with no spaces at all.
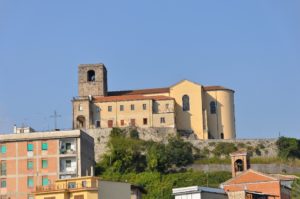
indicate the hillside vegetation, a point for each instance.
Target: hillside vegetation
{"x":159,"y":167}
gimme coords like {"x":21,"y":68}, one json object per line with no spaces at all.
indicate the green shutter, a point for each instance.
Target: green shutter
{"x":44,"y":164}
{"x":45,"y":181}
{"x":45,"y":146}
{"x":29,"y":165}
{"x":3,"y":149}
{"x":3,"y":183}
{"x":29,"y":147}
{"x":30,"y":182}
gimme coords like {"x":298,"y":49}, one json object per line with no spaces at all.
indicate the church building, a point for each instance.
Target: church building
{"x":206,"y":111}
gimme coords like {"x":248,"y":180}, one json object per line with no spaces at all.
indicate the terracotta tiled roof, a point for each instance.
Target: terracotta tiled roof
{"x":214,"y":88}
{"x":139,"y":92}
{"x":129,"y":98}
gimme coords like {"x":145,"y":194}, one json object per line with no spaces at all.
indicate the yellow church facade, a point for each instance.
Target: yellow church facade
{"x":206,"y":111}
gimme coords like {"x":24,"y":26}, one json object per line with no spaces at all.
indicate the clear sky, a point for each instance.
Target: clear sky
{"x":252,"y":47}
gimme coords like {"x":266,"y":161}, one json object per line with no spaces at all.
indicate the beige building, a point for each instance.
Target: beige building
{"x":207,"y":111}
{"x":39,"y":158}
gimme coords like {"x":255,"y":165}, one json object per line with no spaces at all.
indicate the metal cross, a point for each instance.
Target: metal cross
{"x":55,"y":116}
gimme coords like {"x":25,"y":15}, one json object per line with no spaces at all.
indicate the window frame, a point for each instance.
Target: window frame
{"x":3,"y":149}
{"x":44,"y":163}
{"x":145,"y":121}
{"x":44,"y":146}
{"x":144,"y":107}
{"x":162,"y":120}
{"x":121,"y":107}
{"x":132,"y":107}
{"x":3,"y":183}
{"x":30,"y":146}
{"x":213,"y":107}
{"x":44,"y":182}
{"x":29,"y":164}
{"x":109,"y":108}
{"x":186,"y":103}
{"x":30,"y":182}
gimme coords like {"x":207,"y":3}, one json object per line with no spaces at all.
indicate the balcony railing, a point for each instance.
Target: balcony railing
{"x":68,"y":186}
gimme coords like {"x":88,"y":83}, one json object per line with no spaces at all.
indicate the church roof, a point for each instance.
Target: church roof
{"x":140,"y":91}
{"x":129,"y":98}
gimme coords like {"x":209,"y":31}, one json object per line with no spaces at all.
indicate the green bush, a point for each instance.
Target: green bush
{"x":134,"y":134}
{"x":224,"y":148}
{"x":288,"y":147}
{"x":117,"y":132}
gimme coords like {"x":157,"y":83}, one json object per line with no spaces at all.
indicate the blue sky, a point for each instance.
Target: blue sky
{"x":252,"y":47}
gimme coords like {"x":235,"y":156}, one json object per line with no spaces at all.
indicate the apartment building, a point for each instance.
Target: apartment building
{"x":35,"y":159}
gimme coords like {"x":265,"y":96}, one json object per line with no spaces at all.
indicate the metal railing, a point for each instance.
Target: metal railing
{"x":68,"y":186}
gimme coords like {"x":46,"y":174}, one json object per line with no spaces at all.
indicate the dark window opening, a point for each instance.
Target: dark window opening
{"x":91,"y":76}
{"x":185,"y":103}
{"x":222,"y":135}
{"x":213,"y":107}
{"x":145,"y":121}
{"x":238,"y":165}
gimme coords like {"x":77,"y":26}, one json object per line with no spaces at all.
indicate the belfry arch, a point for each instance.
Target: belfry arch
{"x":80,"y":122}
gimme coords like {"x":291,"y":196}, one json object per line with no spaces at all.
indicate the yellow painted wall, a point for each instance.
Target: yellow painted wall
{"x":193,"y":119}
{"x":223,"y":121}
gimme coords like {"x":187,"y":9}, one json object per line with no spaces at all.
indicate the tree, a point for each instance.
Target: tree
{"x":179,"y":153}
{"x":288,"y":147}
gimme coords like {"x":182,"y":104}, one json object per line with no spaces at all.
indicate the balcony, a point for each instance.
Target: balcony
{"x":69,"y":186}
{"x":68,"y":166}
{"x":67,"y":146}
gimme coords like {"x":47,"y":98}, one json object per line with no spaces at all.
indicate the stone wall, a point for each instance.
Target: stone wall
{"x":259,"y":147}
{"x":266,"y":147}
{"x":101,"y":137}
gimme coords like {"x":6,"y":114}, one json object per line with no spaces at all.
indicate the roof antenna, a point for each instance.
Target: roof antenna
{"x":55,"y":116}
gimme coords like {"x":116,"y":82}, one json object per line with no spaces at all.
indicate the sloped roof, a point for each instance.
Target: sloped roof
{"x":129,"y":98}
{"x":250,"y":176}
{"x":139,"y":92}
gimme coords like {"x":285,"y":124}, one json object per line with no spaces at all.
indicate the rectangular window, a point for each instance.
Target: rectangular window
{"x":29,"y":164}
{"x":145,"y":121}
{"x":109,"y":108}
{"x":80,"y":107}
{"x":3,"y":168}
{"x":110,"y":123}
{"x":122,"y":123}
{"x":44,"y":146}
{"x":132,"y":107}
{"x":3,"y":183}
{"x":44,"y":164}
{"x":45,"y":181}
{"x":162,"y":120}
{"x":68,"y":163}
{"x":144,"y":106}
{"x":72,"y":185}
{"x":30,"y":182}
{"x":68,"y":146}
{"x":3,"y":149}
{"x":132,"y":122}
{"x":121,"y":107}
{"x":29,"y":147}
{"x":167,"y":106}
{"x":97,"y":124}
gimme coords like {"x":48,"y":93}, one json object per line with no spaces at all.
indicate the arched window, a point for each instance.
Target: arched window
{"x":238,"y":165}
{"x":213,"y":107}
{"x":222,"y":135}
{"x":91,"y":76}
{"x":185,"y":103}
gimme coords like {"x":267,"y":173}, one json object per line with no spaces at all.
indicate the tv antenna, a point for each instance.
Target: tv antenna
{"x":55,"y":116}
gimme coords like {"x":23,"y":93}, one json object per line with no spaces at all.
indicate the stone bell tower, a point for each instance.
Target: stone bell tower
{"x":239,"y":162}
{"x":92,"y":80}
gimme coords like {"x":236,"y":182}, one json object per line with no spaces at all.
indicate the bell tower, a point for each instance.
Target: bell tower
{"x":92,"y":80}
{"x":239,"y":162}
